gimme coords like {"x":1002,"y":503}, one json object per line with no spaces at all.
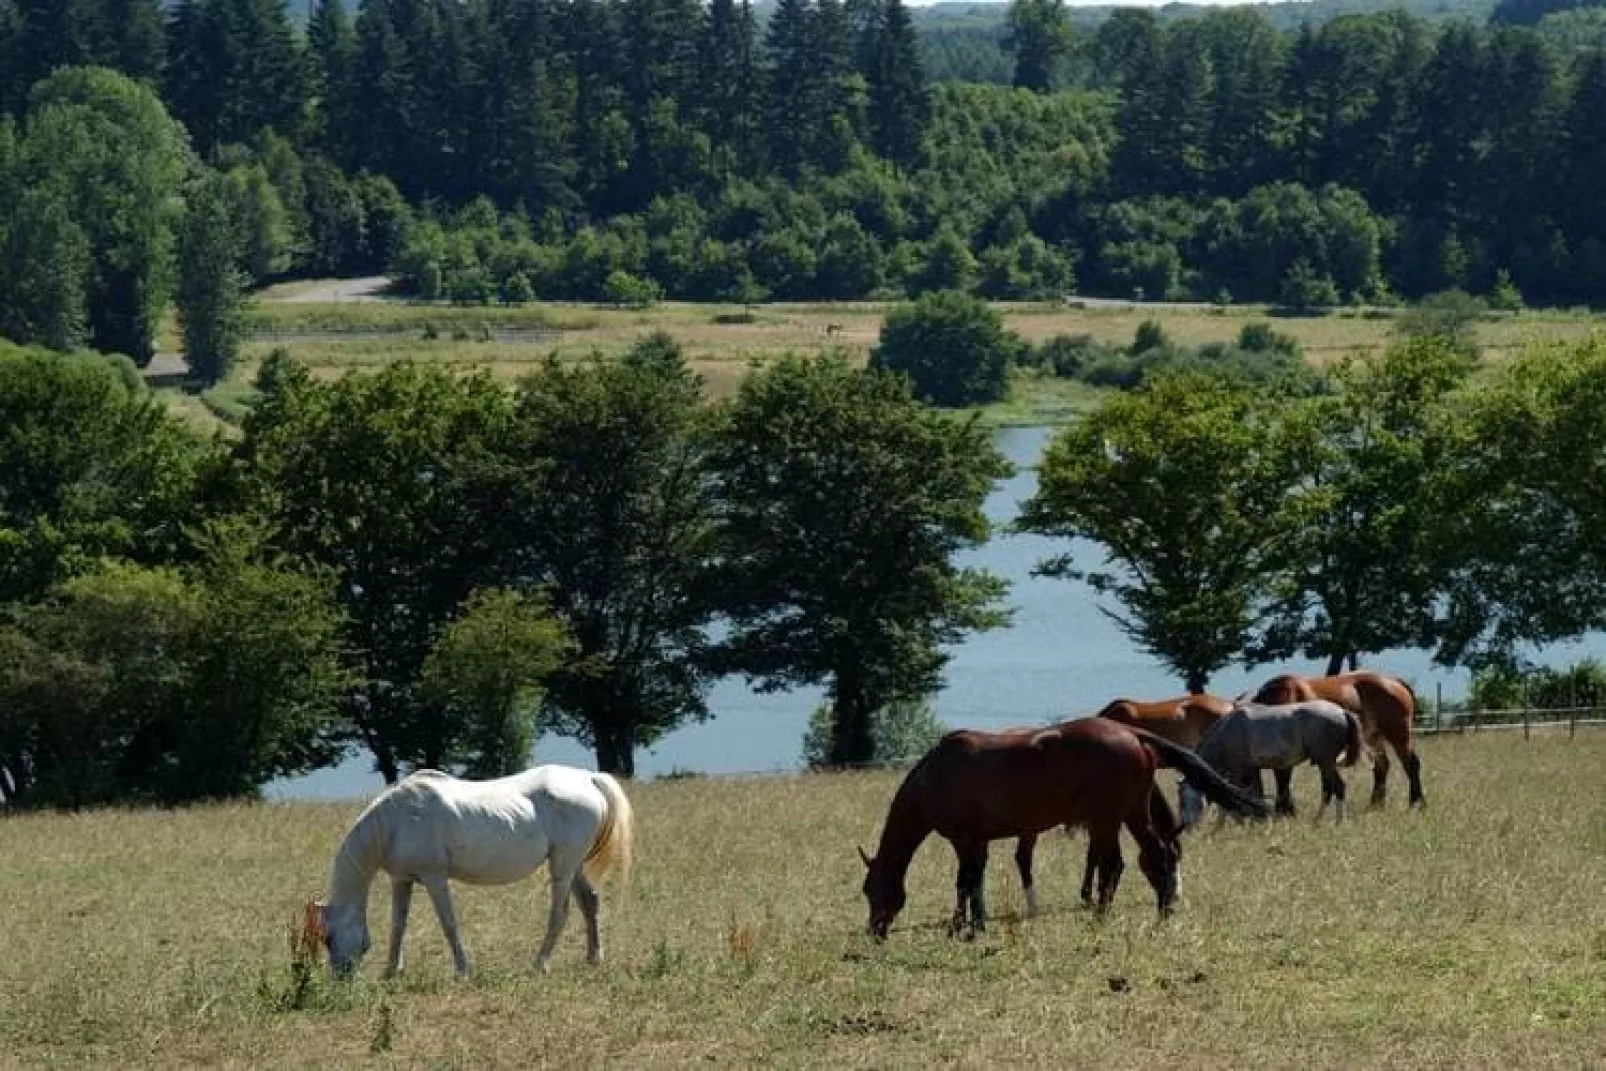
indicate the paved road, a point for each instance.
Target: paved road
{"x":331,"y":291}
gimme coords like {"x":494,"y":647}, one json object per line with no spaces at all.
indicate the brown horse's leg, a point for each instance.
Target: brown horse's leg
{"x":1105,"y":842}
{"x":972,"y":872}
{"x":1380,"y":768}
{"x":1332,"y":789}
{"x":1413,"y":773}
{"x":1399,"y":738}
{"x":1090,"y":869}
{"x":1023,"y":863}
{"x":1285,"y":790}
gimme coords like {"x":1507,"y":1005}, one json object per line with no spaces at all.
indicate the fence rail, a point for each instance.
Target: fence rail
{"x":1524,"y":718}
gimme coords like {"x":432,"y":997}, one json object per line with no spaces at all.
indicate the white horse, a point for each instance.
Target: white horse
{"x":432,"y":827}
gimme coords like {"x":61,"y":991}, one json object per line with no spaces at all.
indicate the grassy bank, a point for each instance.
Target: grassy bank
{"x":1470,"y":936}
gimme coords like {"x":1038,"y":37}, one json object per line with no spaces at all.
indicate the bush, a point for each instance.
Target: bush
{"x":952,"y":346}
{"x":901,"y":732}
{"x":1452,"y":315}
{"x":1515,"y":687}
{"x":629,"y":291}
{"x":1068,"y":356}
{"x":1116,"y":370}
{"x":1263,"y":338}
{"x":1150,"y":335}
{"x":517,"y":290}
{"x":1505,"y":296}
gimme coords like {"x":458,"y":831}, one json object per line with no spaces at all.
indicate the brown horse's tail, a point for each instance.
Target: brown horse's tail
{"x":1352,"y":742}
{"x":1416,"y":704}
{"x":1198,"y":773}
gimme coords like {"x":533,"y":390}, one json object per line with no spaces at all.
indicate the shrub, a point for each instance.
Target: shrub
{"x":952,"y":346}
{"x":1069,"y":356}
{"x":901,"y":731}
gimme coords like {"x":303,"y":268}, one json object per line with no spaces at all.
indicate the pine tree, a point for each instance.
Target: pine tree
{"x":12,"y":91}
{"x":900,"y":105}
{"x":602,"y":132}
{"x":1585,"y":133}
{"x":383,"y":92}
{"x":1040,"y":37}
{"x":236,"y":67}
{"x":791,"y":83}
{"x":137,"y":45}
{"x":842,"y":117}
{"x":331,"y":48}
{"x":728,"y":95}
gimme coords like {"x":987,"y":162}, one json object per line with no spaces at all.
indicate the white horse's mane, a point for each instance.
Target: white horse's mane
{"x":358,"y":858}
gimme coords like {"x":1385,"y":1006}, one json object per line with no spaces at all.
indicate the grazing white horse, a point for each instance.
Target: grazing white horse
{"x":432,"y":827}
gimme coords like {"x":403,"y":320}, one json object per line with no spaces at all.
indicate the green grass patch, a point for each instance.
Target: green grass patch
{"x":398,"y":317}
{"x":1041,"y":400}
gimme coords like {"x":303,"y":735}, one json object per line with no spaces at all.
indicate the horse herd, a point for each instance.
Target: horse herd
{"x":971,"y":788}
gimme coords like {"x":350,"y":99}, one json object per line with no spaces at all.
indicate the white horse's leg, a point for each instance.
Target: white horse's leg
{"x":585,"y":894}
{"x":563,"y":867}
{"x":440,"y":894}
{"x":401,"y":898}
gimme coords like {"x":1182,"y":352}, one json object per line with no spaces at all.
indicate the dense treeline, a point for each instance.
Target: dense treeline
{"x":1408,"y":503}
{"x":434,"y":568}
{"x":691,"y":151}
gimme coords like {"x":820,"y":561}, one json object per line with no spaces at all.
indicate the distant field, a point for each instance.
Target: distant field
{"x":725,"y":342}
{"x":1471,"y":936}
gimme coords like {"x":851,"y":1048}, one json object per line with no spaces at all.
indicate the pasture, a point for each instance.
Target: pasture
{"x":1472,"y":935}
{"x":724,"y":342}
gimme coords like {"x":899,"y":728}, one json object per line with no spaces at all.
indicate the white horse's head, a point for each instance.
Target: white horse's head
{"x":345,"y":935}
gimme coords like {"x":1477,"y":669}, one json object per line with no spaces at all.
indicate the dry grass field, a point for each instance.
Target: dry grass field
{"x":1470,"y":936}
{"x":726,"y":342}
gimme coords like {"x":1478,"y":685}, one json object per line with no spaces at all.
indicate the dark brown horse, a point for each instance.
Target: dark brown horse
{"x":974,"y":787}
{"x":1183,"y":720}
{"x":1386,"y":706}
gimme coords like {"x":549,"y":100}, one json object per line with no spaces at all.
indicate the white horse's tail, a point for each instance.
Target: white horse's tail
{"x":616,"y":843}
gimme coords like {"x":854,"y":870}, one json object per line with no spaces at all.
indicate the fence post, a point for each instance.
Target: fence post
{"x":1438,"y":706}
{"x":1526,"y":717}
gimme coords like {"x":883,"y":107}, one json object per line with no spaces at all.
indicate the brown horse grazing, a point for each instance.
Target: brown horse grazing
{"x":1386,"y":706}
{"x":976,"y":787}
{"x":1183,"y":720}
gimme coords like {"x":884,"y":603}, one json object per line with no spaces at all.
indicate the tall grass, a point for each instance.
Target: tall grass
{"x":1472,"y":935}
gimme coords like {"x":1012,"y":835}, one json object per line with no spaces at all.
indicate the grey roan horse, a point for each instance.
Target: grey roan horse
{"x":1254,"y":737}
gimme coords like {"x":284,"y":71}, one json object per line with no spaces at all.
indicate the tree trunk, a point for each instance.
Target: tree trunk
{"x":1335,"y":663}
{"x":1198,"y":681}
{"x":385,"y":763}
{"x":852,"y":742}
{"x":616,"y":752}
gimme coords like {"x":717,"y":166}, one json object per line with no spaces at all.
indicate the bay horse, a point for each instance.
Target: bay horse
{"x":431,"y":827}
{"x":1254,"y":737}
{"x":975,"y":787}
{"x":1183,"y":720}
{"x":1386,"y":706}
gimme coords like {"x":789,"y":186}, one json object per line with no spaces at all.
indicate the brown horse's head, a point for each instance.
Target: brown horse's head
{"x":884,"y":891}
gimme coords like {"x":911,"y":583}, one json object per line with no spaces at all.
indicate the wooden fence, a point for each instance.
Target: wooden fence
{"x":1526,"y":719}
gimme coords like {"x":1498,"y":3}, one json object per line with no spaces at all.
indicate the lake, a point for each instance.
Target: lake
{"x":1061,"y":657}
